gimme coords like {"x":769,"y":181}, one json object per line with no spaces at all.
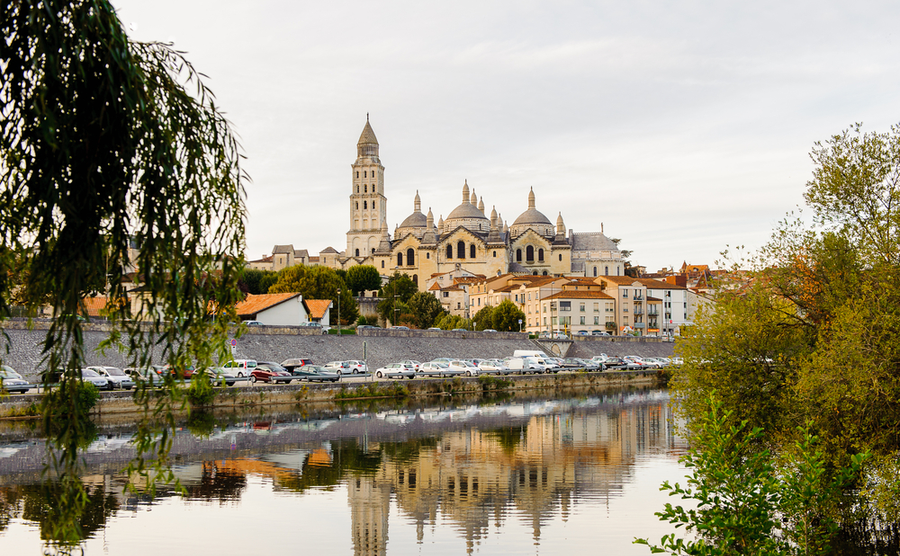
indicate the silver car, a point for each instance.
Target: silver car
{"x":116,"y":377}
{"x":11,"y":381}
{"x":94,"y":378}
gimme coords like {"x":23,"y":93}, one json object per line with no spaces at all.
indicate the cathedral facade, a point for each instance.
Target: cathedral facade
{"x":468,"y":239}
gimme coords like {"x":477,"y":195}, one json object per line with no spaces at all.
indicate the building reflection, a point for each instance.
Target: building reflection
{"x":474,"y":478}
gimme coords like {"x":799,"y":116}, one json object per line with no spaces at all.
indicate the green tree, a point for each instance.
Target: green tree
{"x":484,"y":318}
{"x":102,"y":148}
{"x":257,"y":282}
{"x":451,"y":322}
{"x":363,"y":277}
{"x":318,"y":282}
{"x":506,"y":317}
{"x":399,"y":289}
{"x":745,"y":503}
{"x":424,"y":309}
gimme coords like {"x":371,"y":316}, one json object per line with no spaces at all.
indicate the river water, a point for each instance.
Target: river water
{"x":543,"y":475}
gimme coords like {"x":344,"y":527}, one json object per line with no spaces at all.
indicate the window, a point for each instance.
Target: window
{"x":565,"y":305}
{"x":596,"y":307}
{"x":595,"y":272}
{"x":357,"y":252}
{"x":357,"y":175}
{"x":472,"y":251}
{"x":365,"y":205}
{"x":529,"y":254}
{"x":495,"y":254}
{"x":582,"y":320}
{"x":460,"y":250}
{"x":364,"y":173}
{"x":373,"y":250}
{"x":415,"y":277}
{"x":446,"y":294}
{"x":382,"y":262}
{"x":606,"y":271}
{"x":545,"y":273}
{"x":357,"y":190}
{"x":428,"y":255}
{"x":596,"y":320}
{"x":357,"y":205}
{"x":518,"y":255}
{"x":541,"y":255}
{"x":624,"y":293}
{"x":581,"y":308}
{"x":365,"y":188}
{"x":410,"y":257}
{"x":449,"y":251}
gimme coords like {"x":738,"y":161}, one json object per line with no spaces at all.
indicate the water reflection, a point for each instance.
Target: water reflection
{"x":519,"y":471}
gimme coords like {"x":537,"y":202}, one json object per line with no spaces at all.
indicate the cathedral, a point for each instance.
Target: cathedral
{"x":468,"y":240}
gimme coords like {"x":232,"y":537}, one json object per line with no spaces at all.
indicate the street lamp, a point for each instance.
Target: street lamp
{"x":396,"y":309}
{"x":339,"y":312}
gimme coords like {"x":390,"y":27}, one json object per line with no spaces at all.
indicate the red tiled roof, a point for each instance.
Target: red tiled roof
{"x":93,"y":306}
{"x":317,"y":307}
{"x":253,"y":304}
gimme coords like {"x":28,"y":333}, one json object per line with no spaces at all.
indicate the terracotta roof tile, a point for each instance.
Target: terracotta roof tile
{"x":317,"y":307}
{"x":253,"y":304}
{"x":579,"y":294}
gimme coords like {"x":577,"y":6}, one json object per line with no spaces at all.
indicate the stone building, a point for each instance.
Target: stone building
{"x":468,"y":239}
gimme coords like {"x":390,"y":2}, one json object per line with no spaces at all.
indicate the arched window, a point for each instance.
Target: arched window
{"x":529,"y":254}
{"x":357,"y":187}
{"x":541,"y":255}
{"x":606,"y":271}
{"x":357,"y":205}
{"x":416,"y":279}
{"x":595,"y":271}
{"x":357,"y":252}
{"x":617,"y":271}
{"x":399,"y":259}
{"x":545,"y":273}
{"x":373,"y":250}
{"x":472,"y":251}
{"x":518,"y":255}
{"x":382,"y":263}
{"x":495,"y":254}
{"x":357,"y":175}
{"x":364,"y":173}
{"x":365,"y":188}
{"x":410,"y":257}
{"x":460,"y":250}
{"x":449,"y":251}
{"x":365,"y":204}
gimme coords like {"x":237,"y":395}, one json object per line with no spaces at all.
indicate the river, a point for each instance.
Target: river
{"x":542,"y":475}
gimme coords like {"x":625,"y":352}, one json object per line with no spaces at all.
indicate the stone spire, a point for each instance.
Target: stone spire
{"x":430,"y":222}
{"x":441,"y":224}
{"x":531,"y":199}
{"x":481,"y":204}
{"x":494,"y":234}
{"x":429,"y":236}
{"x":465,"y":192}
{"x":493,"y":217}
{"x":560,"y":226}
{"x":474,"y":199}
{"x":417,"y":204}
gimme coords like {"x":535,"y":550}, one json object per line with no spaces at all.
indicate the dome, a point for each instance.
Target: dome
{"x":415,"y":220}
{"x":532,"y":218}
{"x":467,"y":215}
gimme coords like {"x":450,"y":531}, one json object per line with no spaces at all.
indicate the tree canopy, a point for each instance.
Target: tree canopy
{"x":318,"y":282}
{"x":810,"y":336}
{"x":363,"y":277}
{"x":424,"y":309}
{"x":396,"y":294}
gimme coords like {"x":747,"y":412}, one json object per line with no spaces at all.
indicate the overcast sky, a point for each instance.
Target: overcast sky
{"x":682,"y":126}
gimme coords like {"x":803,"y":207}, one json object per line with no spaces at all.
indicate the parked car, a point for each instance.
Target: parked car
{"x":466,"y":367}
{"x":600,"y":333}
{"x":338,"y":367}
{"x":11,"y":381}
{"x":153,"y":376}
{"x":357,"y":367}
{"x":323,"y":328}
{"x":92,"y":377}
{"x":116,"y":376}
{"x":314,"y":373}
{"x":493,"y":366}
{"x":399,"y":328}
{"x":264,"y":373}
{"x":243,"y":368}
{"x":525,"y":364}
{"x":415,"y":364}
{"x":219,"y":375}
{"x":252,"y":323}
{"x":396,"y":370}
{"x":438,"y":369}
{"x":294,"y":362}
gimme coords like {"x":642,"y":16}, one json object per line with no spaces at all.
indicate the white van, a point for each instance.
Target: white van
{"x":542,"y":358}
{"x":525,"y":365}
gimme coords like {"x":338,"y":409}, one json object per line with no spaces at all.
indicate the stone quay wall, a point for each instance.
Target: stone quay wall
{"x":378,"y":347}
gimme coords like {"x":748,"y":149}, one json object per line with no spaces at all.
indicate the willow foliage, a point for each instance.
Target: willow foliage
{"x":113,"y":159}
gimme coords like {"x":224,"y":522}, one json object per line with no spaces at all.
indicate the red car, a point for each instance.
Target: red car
{"x":266,"y":374}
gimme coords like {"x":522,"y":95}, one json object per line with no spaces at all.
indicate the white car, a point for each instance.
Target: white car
{"x":11,"y":381}
{"x":494,"y":365}
{"x":396,"y":370}
{"x":116,"y":376}
{"x":357,"y":367}
{"x":338,"y":367}
{"x":438,"y":368}
{"x":465,"y":366}
{"x":242,"y":367}
{"x":94,"y":378}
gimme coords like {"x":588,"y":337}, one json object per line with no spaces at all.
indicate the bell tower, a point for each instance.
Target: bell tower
{"x":368,"y":205}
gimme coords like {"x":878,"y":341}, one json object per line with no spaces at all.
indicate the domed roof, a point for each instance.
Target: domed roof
{"x":415,"y":220}
{"x":466,"y":209}
{"x":531,"y":215}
